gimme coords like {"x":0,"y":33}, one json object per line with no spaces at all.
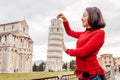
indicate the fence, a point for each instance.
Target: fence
{"x":60,"y":77}
{"x":46,"y":78}
{"x":67,"y":77}
{"x":109,"y":75}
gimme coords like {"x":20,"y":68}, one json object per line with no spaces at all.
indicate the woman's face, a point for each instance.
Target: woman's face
{"x":85,"y":20}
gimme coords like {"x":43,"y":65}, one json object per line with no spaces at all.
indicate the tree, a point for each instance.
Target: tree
{"x":65,"y":66}
{"x":35,"y":67}
{"x":41,"y":66}
{"x":72,"y":65}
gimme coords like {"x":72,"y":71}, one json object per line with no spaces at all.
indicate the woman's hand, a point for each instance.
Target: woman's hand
{"x":63,"y":46}
{"x":62,"y":17}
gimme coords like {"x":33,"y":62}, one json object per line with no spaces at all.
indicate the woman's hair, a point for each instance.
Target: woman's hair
{"x":95,"y":18}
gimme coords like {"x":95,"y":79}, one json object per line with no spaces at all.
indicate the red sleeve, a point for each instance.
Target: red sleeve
{"x":94,"y":43}
{"x":71,"y":32}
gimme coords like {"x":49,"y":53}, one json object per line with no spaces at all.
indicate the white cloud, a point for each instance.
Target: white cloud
{"x":40,"y":52}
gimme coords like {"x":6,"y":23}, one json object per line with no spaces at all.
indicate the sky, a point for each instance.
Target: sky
{"x":38,"y":15}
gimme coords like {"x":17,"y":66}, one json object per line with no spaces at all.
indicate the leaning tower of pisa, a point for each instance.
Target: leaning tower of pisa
{"x":54,"y":52}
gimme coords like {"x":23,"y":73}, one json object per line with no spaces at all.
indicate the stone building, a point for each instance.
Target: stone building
{"x":117,"y":63}
{"x":107,"y":60}
{"x":54,"y":52}
{"x":16,"y":47}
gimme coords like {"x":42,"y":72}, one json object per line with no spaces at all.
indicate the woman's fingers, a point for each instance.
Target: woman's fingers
{"x":60,"y":15}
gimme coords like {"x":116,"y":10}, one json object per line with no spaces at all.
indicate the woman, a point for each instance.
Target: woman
{"x":88,"y":44}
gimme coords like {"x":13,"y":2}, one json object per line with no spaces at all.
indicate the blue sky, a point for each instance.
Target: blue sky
{"x":38,"y":14}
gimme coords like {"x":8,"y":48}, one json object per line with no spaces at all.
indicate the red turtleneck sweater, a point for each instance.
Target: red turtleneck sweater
{"x":87,"y":46}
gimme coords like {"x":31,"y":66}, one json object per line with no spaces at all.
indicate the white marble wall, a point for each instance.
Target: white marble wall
{"x":15,"y":48}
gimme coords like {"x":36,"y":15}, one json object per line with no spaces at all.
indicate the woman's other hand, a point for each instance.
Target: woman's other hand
{"x":63,"y":46}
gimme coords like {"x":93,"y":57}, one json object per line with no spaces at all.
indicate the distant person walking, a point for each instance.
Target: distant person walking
{"x":88,"y":44}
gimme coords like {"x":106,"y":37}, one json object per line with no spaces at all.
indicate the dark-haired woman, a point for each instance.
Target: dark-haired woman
{"x":88,"y":44}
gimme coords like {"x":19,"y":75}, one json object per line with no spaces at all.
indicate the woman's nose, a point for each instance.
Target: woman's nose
{"x":82,"y":19}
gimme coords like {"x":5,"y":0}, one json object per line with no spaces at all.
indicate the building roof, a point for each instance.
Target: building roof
{"x":106,"y":54}
{"x":9,"y":23}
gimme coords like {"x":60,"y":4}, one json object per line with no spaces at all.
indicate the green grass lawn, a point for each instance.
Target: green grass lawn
{"x":22,"y":76}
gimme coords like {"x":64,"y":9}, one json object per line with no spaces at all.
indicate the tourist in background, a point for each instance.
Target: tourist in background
{"x":88,"y":44}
